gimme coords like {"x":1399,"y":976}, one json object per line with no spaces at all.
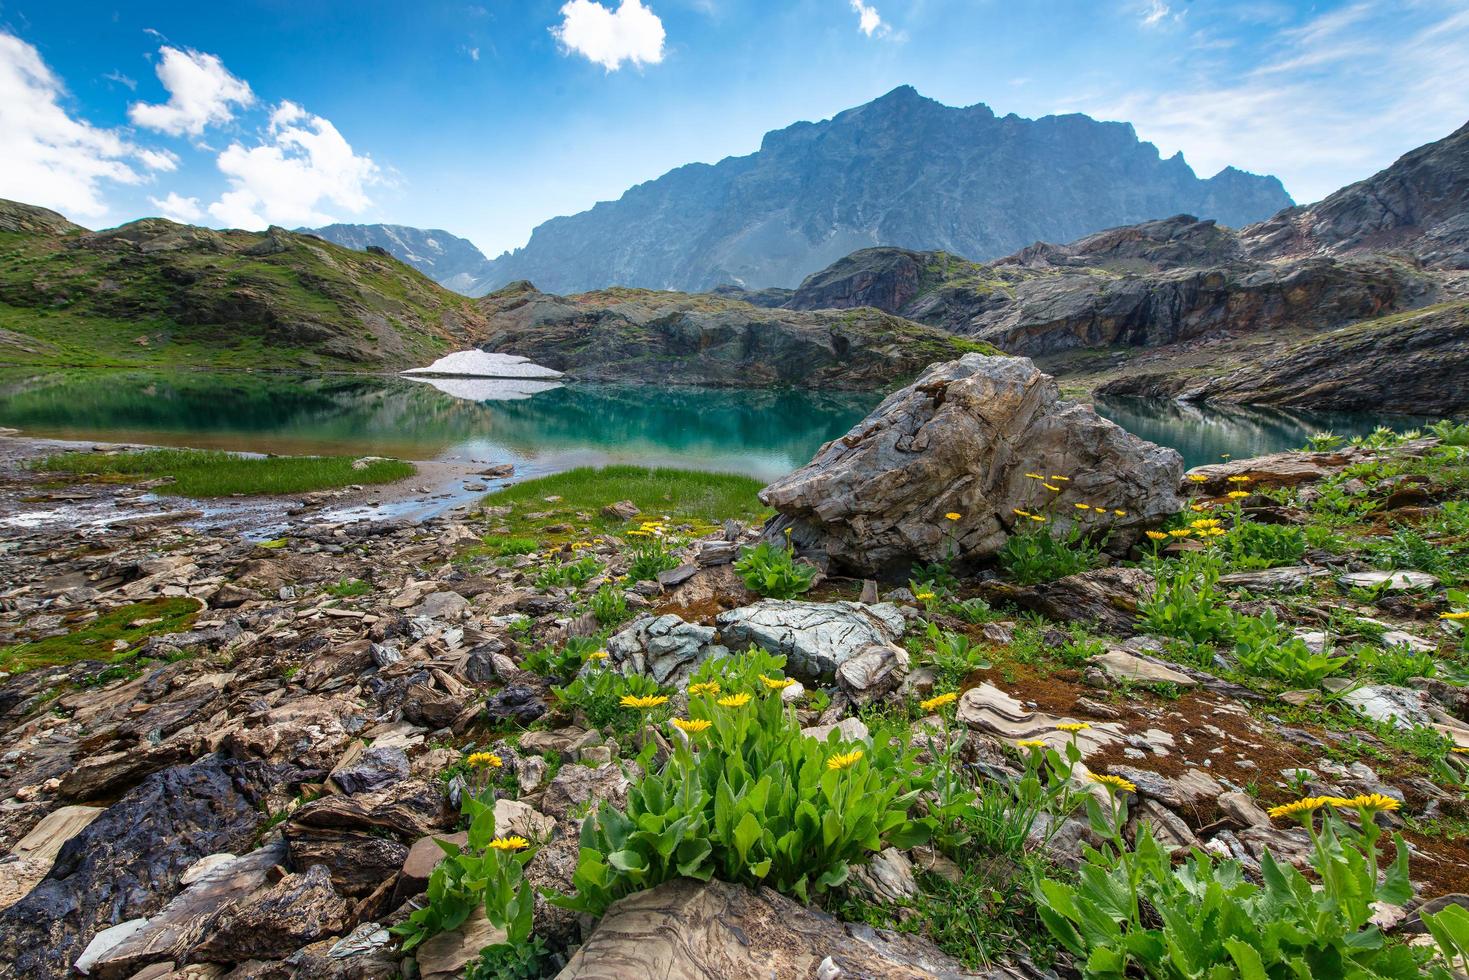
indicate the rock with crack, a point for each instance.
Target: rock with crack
{"x":816,"y":638}
{"x":274,"y":922}
{"x":990,"y":711}
{"x":1107,"y":598}
{"x":1287,"y":578}
{"x":961,"y":439}
{"x":687,"y":930}
{"x":1388,"y":581}
{"x":664,"y":647}
{"x":35,"y":852}
{"x":1123,"y":666}
{"x":1403,"y":707}
{"x":873,"y":671}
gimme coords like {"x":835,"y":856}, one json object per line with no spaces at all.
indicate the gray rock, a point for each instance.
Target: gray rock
{"x":1106,"y":598}
{"x":1395,"y":581}
{"x":273,"y":923}
{"x":445,"y":606}
{"x":663,"y":647}
{"x":876,"y":670}
{"x":378,"y":768}
{"x":1287,"y":578}
{"x":961,"y":439}
{"x":1124,"y":666}
{"x":816,"y":638}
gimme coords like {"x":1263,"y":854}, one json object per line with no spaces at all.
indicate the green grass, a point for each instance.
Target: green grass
{"x":683,"y":496}
{"x":96,"y":639}
{"x":199,"y":473}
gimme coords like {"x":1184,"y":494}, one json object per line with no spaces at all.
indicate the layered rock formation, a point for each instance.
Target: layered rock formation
{"x":901,"y":170}
{"x":676,"y":338}
{"x":979,"y":437}
{"x":452,"y":262}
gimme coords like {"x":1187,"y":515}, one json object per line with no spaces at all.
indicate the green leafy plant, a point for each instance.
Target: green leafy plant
{"x":1394,"y":664}
{"x":560,"y":574}
{"x":774,"y":572}
{"x":529,"y":960}
{"x":1265,"y":648}
{"x":651,"y":553}
{"x":1006,"y":813}
{"x":608,"y":604}
{"x":486,"y":873}
{"x":1451,"y":433}
{"x":1251,"y":545}
{"x":347,"y":588}
{"x":1036,"y":555}
{"x":1133,"y":913}
{"x":953,"y":656}
{"x":750,"y":799}
{"x":1324,"y":442}
{"x":747,"y":671}
{"x":564,"y":662}
{"x":1185,"y":602}
{"x":598,"y":692}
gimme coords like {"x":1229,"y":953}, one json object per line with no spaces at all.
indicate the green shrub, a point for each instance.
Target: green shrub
{"x":1132,"y":912}
{"x":756,"y":669}
{"x":1185,"y":603}
{"x":608,"y":604}
{"x":953,"y":656}
{"x":347,"y":588}
{"x":651,"y":554}
{"x":1251,"y":545}
{"x":598,"y":692}
{"x":1265,"y":648}
{"x":505,"y":547}
{"x":1394,"y":664}
{"x":1034,"y":556}
{"x":750,"y":800}
{"x":548,"y":661}
{"x":1451,"y":433}
{"x":561,"y":574}
{"x":774,"y":572}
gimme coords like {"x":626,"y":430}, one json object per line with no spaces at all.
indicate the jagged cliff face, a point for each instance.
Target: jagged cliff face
{"x":452,"y":262}
{"x":158,"y":292}
{"x":902,"y":170}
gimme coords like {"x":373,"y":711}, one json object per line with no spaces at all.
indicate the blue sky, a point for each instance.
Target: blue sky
{"x":488,"y":117}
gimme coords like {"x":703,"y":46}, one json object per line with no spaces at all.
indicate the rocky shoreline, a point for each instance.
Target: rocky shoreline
{"x":245,"y":777}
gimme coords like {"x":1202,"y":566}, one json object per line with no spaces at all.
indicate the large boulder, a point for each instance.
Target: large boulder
{"x":961,"y":439}
{"x":688,"y":930}
{"x":816,"y":638}
{"x":663,"y":647}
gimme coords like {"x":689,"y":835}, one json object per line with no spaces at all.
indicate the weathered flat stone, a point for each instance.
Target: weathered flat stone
{"x":1124,"y":666}
{"x":1395,"y":581}
{"x":816,"y":638}
{"x":990,"y":711}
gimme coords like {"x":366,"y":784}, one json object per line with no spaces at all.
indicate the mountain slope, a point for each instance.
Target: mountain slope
{"x":452,"y":262}
{"x":661,"y":337}
{"x":157,"y":292}
{"x":902,"y":170}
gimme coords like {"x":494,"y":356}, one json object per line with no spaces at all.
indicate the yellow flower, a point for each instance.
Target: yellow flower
{"x":1051,"y":488}
{"x":1198,"y":478}
{"x":1300,"y":808}
{"x":1038,"y":518}
{"x":1082,"y":506}
{"x":844,"y":760}
{"x":1224,"y":455}
{"x":924,"y":596}
{"x":953,"y":516}
{"x":1061,"y":479}
{"x":1213,"y":532}
{"x":1020,"y":513}
{"x":1205,"y":522}
{"x":509,"y":843}
{"x":1035,"y":476}
{"x":1073,"y":726}
{"x":1237,"y":494}
{"x":1199,"y":508}
{"x":1031,"y":743}
{"x":597,"y":655}
{"x":934,"y":703}
{"x":1158,"y":535}
{"x":776,"y":683}
{"x":1112,"y":782}
{"x":1373,"y":802}
{"x":692,"y":725}
{"x":644,"y":702}
{"x":487,"y":760}
{"x":1458,"y":616}
{"x":734,"y":701}
{"x":1181,"y":532}
{"x":1459,"y":750}
{"x":1239,"y":479}
{"x":708,"y":687}
{"x":1119,"y":513}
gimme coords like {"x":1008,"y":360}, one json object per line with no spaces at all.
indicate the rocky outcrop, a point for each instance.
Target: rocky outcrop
{"x":962,"y":439}
{"x":675,"y":338}
{"x":688,"y":930}
{"x":818,"y":639}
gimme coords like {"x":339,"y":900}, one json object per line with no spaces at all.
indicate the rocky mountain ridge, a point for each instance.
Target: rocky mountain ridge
{"x":901,"y":170}
{"x":452,"y":262}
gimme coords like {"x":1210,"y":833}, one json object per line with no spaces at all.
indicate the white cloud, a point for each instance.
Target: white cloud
{"x":303,"y":165}
{"x":474,"y":54}
{"x":1305,"y":112}
{"x":631,"y":33}
{"x":121,"y":79}
{"x":176,"y":207}
{"x":49,"y":157}
{"x":869,"y":22}
{"x":200,"y":93}
{"x":1153,"y":12}
{"x":164,"y":160}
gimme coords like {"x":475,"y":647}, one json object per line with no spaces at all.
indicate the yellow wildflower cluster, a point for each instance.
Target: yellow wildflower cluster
{"x":1365,"y":803}
{"x":924,"y":596}
{"x":597,"y":655}
{"x":643,"y":702}
{"x":776,"y":683}
{"x":1031,"y":743}
{"x":1073,"y":726}
{"x":484,"y":760}
{"x":509,"y":843}
{"x":1457,"y":616}
{"x":1239,"y":479}
{"x":934,"y":703}
{"x":844,"y":760}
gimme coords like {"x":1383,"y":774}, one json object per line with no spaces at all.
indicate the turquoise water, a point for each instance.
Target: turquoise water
{"x":541,"y":427}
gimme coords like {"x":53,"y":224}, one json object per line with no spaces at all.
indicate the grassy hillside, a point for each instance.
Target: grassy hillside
{"x":157,"y":293}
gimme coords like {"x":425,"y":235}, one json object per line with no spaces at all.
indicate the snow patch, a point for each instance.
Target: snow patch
{"x":482,"y":364}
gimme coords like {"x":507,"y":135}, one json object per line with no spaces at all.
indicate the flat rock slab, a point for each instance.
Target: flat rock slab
{"x":1123,"y":666}
{"x":688,"y":930}
{"x":1395,"y":581}
{"x":1105,"y":597}
{"x":990,"y":711}
{"x":817,"y":638}
{"x":1287,"y":578}
{"x":664,"y":647}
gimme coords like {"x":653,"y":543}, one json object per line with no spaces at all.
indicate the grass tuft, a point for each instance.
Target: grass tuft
{"x":200,"y":473}
{"x":96,"y":640}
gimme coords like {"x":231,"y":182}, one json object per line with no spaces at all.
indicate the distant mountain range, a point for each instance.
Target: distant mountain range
{"x":902,"y":170}
{"x":449,"y":260}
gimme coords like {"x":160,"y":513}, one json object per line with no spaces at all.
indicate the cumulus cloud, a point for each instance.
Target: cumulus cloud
{"x":302,"y":165}
{"x":176,"y":207}
{"x":201,"y":92}
{"x":631,"y":33}
{"x":51,"y":158}
{"x":164,"y":160}
{"x":869,"y":22}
